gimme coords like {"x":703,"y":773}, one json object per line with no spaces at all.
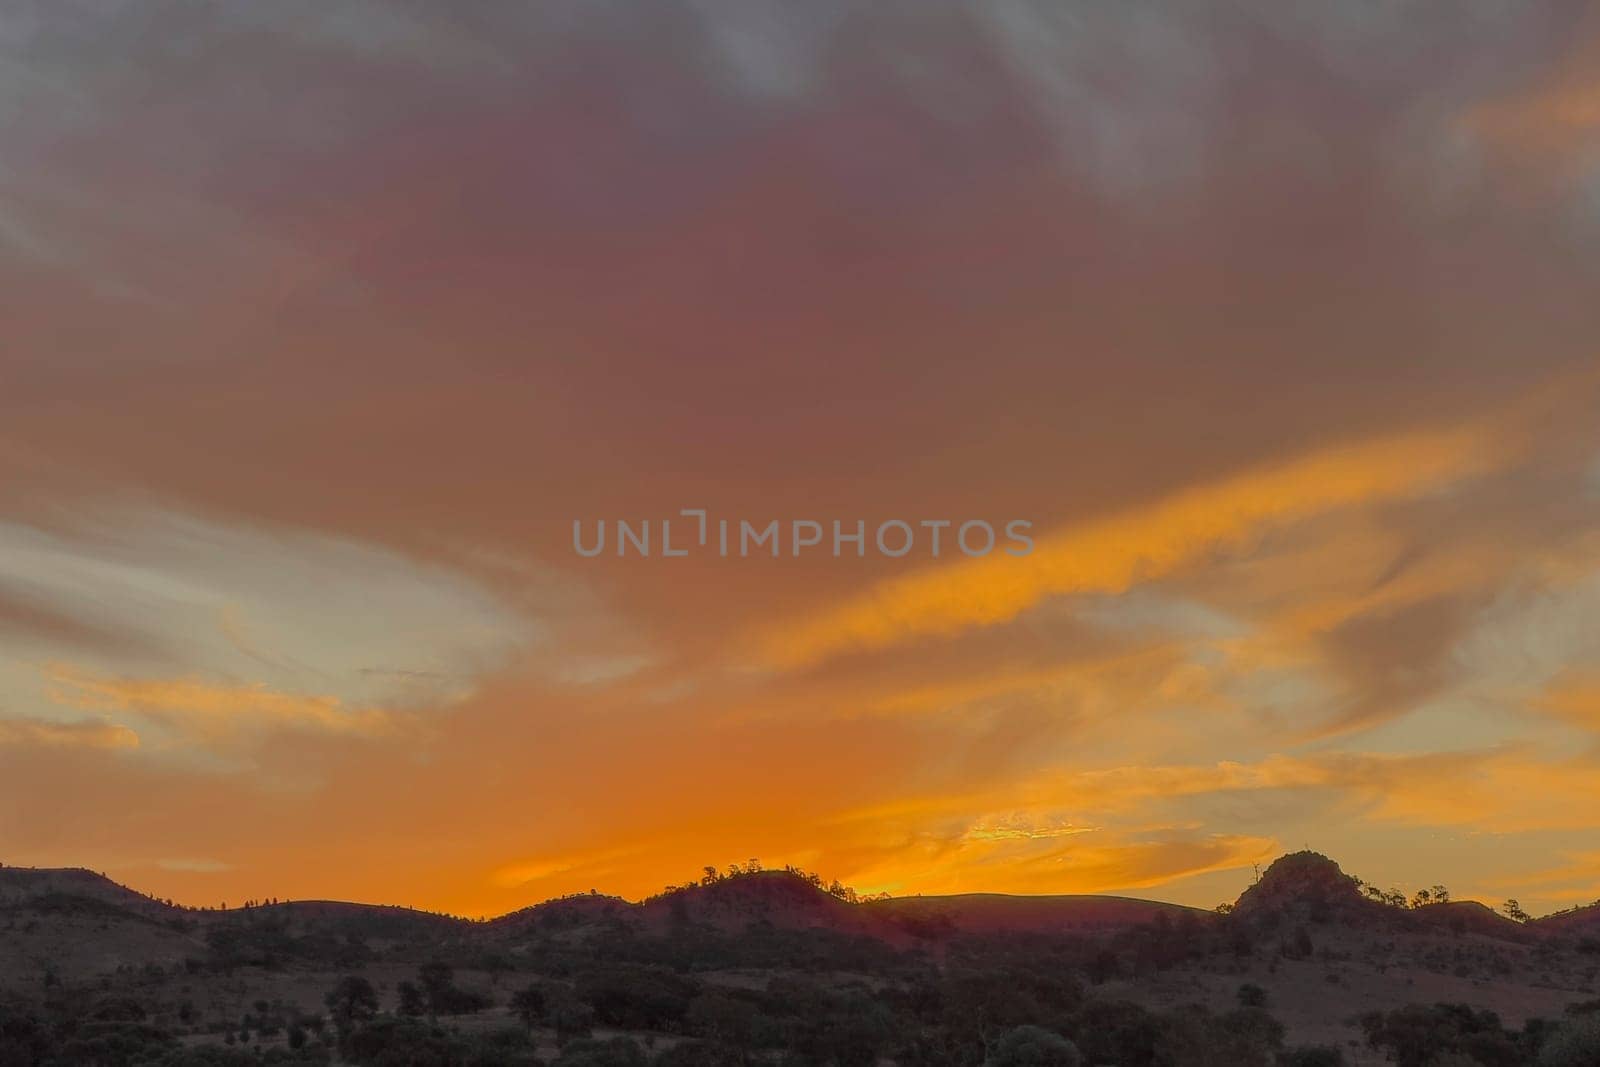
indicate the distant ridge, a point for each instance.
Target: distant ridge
{"x":32,"y":883}
{"x":786,"y":901}
{"x":1582,"y":920}
{"x":1300,"y":887}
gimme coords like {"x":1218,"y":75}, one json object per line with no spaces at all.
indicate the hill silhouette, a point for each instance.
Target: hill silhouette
{"x":1307,"y":887}
{"x":786,"y":900}
{"x":1583,"y":920}
{"x":1298,"y":887}
{"x":752,"y":960}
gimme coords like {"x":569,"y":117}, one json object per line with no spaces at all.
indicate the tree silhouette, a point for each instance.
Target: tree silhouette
{"x":351,"y":1001}
{"x":1033,"y":1046}
{"x":531,"y":1005}
{"x":412,"y":1001}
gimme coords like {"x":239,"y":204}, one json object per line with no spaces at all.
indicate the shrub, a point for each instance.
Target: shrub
{"x":1417,"y":1036}
{"x":1033,"y":1046}
{"x":1573,"y":1044}
{"x":617,"y":1052}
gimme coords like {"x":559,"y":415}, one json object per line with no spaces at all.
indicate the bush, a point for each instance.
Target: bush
{"x":351,"y":1001}
{"x":505,"y":1047}
{"x":724,"y":1019}
{"x":1417,"y":1036}
{"x":1033,"y":1046}
{"x":1245,"y":1037}
{"x":699,"y":1054}
{"x":570,"y":1017}
{"x":1117,"y":1032}
{"x":1573,"y":1044}
{"x":442,"y":995}
{"x":636,"y":998}
{"x":618,"y":1052}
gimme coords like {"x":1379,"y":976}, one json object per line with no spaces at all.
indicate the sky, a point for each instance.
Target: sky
{"x":321,"y":324}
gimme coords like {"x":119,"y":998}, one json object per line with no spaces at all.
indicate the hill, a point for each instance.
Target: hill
{"x":19,"y":884}
{"x":1580,"y":922}
{"x":785,"y":900}
{"x":797,"y":962}
{"x":937,"y":917}
{"x":1309,"y":887}
{"x":1299,"y":888}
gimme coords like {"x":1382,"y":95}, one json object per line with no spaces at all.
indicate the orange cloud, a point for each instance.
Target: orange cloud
{"x":1576,"y":879}
{"x":1142,"y":675}
{"x":1112,"y":554}
{"x":40,"y":732}
{"x":535,"y":871}
{"x":1574,"y":699}
{"x":1095,"y":793}
{"x":208,"y":712}
{"x":1109,"y":862}
{"x":1547,"y":129}
{"x":1504,"y":790}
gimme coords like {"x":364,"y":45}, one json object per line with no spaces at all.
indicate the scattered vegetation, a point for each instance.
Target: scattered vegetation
{"x":705,"y":977}
{"x":1396,"y":898}
{"x":735,"y":871}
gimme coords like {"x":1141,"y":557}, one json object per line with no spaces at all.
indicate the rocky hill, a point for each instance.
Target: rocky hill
{"x":1308,"y":887}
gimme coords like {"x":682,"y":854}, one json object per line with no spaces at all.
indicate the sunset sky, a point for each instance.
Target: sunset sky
{"x":321,"y":323}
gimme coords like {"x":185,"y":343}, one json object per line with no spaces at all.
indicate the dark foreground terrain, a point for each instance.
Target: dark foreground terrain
{"x":1309,"y":968}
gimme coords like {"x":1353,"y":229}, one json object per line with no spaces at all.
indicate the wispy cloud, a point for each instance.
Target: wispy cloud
{"x":194,"y":866}
{"x":1112,"y":554}
{"x":207,"y":712}
{"x":50,"y":733}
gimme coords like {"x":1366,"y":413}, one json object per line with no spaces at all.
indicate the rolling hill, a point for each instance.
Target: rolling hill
{"x":1322,"y":954}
